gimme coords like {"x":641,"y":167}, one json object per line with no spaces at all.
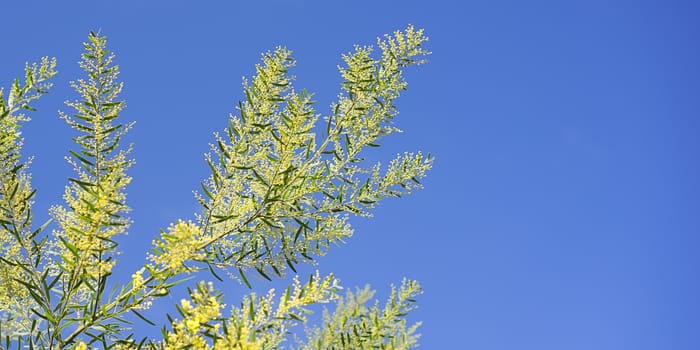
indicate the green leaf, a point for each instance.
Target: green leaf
{"x":290,"y":264}
{"x":70,"y":247}
{"x":251,"y":309}
{"x":262,"y":273}
{"x":214,"y":273}
{"x":142,"y":317}
{"x":241,"y":167}
{"x":259,"y":178}
{"x":245,"y":280}
{"x":222,"y":218}
{"x":16,"y":169}
{"x":76,"y":155}
{"x":222,"y":148}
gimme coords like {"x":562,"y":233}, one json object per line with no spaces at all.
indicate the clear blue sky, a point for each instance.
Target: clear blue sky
{"x":563,"y":209}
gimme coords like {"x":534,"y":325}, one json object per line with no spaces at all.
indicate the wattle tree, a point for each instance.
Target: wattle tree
{"x":285,"y":180}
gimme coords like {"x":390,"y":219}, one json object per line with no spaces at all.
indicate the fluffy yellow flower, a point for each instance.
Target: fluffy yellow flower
{"x":199,"y":312}
{"x":137,"y":279}
{"x":178,"y":245}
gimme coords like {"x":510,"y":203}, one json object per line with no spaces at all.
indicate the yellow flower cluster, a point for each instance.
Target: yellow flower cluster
{"x":239,"y":340}
{"x":206,"y":308}
{"x":256,"y":325}
{"x":357,"y":323}
{"x":138,"y":288}
{"x":137,"y":279}
{"x":93,"y":217}
{"x":14,"y":300}
{"x":317,"y":290}
{"x":177,"y":246}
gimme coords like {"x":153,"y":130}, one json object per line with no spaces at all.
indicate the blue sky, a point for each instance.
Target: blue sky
{"x":562,"y":211}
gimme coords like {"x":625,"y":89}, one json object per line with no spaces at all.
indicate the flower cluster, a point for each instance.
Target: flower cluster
{"x":16,"y":199}
{"x":357,"y":325}
{"x":176,"y":246}
{"x":317,"y":290}
{"x":203,"y":308}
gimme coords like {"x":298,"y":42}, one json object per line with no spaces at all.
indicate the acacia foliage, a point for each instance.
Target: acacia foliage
{"x":284,"y":181}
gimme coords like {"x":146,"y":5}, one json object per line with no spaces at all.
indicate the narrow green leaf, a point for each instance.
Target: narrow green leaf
{"x":245,"y":280}
{"x":251,"y":309}
{"x":262,"y":273}
{"x":241,"y":167}
{"x":142,"y":317}
{"x":290,"y":264}
{"x":16,"y":168}
{"x":211,"y":269}
{"x":75,"y":154}
{"x":259,"y":178}
{"x":70,"y":246}
{"x":222,"y":218}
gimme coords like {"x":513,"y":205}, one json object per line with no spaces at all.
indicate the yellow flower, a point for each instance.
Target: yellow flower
{"x":178,"y":245}
{"x":137,"y":279}
{"x":192,"y":325}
